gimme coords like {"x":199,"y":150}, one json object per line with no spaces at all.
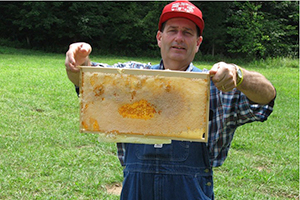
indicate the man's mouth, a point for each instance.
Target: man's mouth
{"x":178,"y":47}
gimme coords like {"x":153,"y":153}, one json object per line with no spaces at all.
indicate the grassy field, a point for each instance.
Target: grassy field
{"x":43,"y":155}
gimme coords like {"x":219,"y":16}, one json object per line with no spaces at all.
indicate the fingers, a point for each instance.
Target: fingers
{"x":82,"y":49}
{"x":214,"y":69}
{"x":76,"y":55}
{"x":70,"y":62}
{"x":223,"y":76}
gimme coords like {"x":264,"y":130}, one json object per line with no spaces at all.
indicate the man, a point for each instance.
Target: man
{"x":183,"y":170}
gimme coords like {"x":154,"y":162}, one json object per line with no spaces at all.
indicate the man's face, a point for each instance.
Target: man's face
{"x":178,"y":42}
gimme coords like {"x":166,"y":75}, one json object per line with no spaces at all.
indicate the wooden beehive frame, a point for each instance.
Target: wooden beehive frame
{"x":117,"y":135}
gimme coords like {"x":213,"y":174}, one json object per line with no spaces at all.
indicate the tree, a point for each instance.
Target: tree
{"x":263,"y":29}
{"x":246,"y":34}
{"x":282,"y":26}
{"x":236,"y":29}
{"x":215,"y":15}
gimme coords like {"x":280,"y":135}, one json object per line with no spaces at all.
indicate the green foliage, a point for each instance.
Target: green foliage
{"x":247,"y":36}
{"x":279,"y":62}
{"x":264,"y":29}
{"x":251,"y":29}
{"x":214,"y":33}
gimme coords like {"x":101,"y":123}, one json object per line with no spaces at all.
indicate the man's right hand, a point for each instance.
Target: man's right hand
{"x":77,"y":55}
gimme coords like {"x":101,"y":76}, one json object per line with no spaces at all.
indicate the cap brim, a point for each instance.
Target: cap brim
{"x":169,"y":15}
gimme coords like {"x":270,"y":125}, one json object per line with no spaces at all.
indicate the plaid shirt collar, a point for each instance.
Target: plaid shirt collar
{"x":161,"y":67}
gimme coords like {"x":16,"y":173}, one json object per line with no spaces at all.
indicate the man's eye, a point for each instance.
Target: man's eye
{"x":187,"y":33}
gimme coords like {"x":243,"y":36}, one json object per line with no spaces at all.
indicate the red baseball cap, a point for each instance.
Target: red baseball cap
{"x":182,"y":8}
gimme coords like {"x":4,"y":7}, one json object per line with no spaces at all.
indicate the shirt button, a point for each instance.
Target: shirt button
{"x":208,"y":183}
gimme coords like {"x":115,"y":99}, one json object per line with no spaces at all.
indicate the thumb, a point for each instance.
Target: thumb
{"x":214,"y":69}
{"x":85,"y":49}
{"x":81,"y":53}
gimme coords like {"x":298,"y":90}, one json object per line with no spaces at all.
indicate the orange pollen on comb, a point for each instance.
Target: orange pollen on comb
{"x":95,"y":125}
{"x":139,"y":110}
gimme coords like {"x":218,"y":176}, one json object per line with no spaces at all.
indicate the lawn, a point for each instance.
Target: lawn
{"x":43,"y":155}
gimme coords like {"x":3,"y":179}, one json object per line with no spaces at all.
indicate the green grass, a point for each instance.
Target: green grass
{"x":263,"y":162}
{"x":43,"y":155}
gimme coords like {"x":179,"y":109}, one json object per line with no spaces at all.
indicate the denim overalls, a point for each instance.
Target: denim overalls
{"x":180,"y":170}
{"x":176,"y":171}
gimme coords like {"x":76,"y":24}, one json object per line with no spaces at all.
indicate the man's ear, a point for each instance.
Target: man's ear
{"x":199,"y":41}
{"x":158,"y":38}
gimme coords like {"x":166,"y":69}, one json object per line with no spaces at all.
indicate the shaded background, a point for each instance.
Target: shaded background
{"x":251,"y":30}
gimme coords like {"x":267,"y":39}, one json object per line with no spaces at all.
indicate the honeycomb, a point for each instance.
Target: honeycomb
{"x":134,"y":106}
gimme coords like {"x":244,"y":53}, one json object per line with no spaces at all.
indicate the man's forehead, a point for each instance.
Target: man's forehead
{"x":183,"y":22}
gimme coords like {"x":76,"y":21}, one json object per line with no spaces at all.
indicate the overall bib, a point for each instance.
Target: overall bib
{"x":179,"y":170}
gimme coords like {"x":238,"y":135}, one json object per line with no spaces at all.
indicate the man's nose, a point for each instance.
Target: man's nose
{"x":179,"y":37}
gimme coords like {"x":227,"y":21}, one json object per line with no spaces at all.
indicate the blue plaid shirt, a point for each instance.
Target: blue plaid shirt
{"x":228,"y":110}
